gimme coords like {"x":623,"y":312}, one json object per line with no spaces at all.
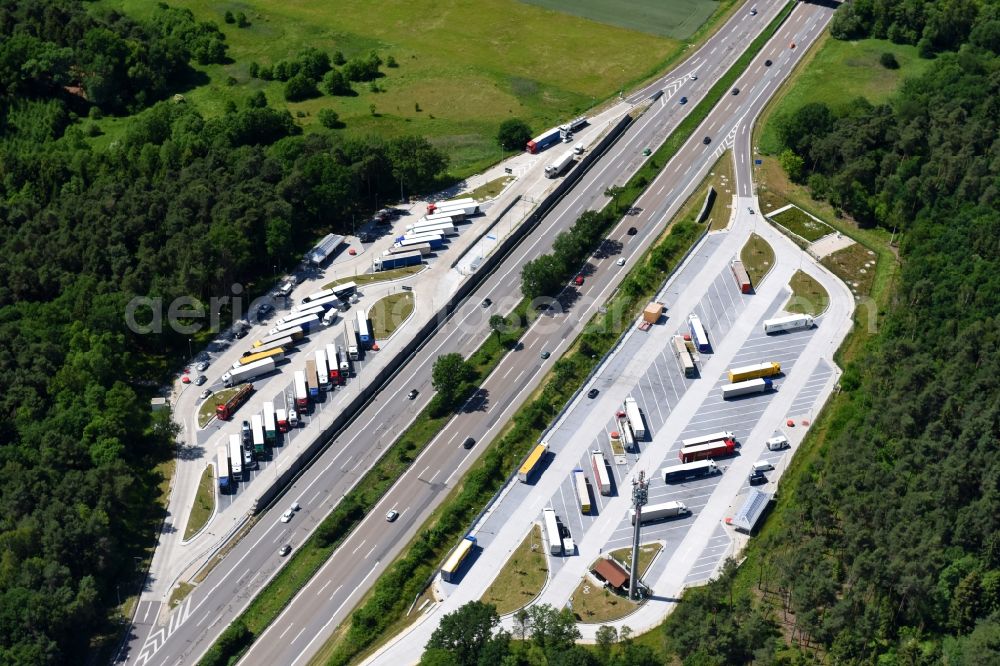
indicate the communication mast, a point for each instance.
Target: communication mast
{"x":640,"y":497}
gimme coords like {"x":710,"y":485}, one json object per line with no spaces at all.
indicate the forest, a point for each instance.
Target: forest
{"x":181,"y":205}
{"x":888,"y":547}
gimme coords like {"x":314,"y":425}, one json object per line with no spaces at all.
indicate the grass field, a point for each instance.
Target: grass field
{"x":521,"y":579}
{"x":381,"y":276}
{"x":389,"y":313}
{"x":204,"y":504}
{"x":677,"y":19}
{"x":808,"y":295}
{"x":467,"y":66}
{"x":855,"y":265}
{"x":757,"y":257}
{"x":801,"y":224}
{"x":837,"y":73}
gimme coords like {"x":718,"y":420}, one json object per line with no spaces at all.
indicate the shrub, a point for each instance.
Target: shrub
{"x":300,"y":87}
{"x":329,"y":118}
{"x":888,"y":60}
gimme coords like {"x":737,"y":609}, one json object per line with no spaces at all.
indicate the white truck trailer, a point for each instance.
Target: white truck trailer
{"x":789,"y":323}
{"x":248,"y":372}
{"x":634,"y":416}
{"x":653,"y":512}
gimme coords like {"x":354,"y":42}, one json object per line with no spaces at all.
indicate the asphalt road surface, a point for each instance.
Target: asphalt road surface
{"x":325,"y":602}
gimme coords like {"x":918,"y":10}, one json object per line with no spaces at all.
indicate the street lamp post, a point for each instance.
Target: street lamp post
{"x":190,"y":354}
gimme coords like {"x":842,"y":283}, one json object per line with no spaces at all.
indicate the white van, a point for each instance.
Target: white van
{"x":777,"y":443}
{"x":762,"y":466}
{"x":578,"y":149}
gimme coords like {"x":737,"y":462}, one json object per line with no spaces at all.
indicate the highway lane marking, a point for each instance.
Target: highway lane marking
{"x":287,"y":629}
{"x":434,"y":477}
{"x":357,"y":464}
{"x":325,"y":585}
{"x":149,"y":605}
{"x":202,"y":619}
{"x":371,"y":551}
{"x":278,"y":538}
{"x":509,"y":370}
{"x":333,"y":616}
{"x":522,"y":373}
{"x":313,"y":500}
{"x":358,"y":547}
{"x":424,"y":471}
{"x":335,"y":592}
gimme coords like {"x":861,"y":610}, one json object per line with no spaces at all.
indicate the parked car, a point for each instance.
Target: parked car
{"x":592,"y":393}
{"x":205,"y":394}
{"x":578,"y":280}
{"x":201,"y":366}
{"x":200,"y":380}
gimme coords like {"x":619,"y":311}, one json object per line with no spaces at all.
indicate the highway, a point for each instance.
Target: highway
{"x":328,"y":598}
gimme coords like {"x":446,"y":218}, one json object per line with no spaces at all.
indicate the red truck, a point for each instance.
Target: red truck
{"x":224,"y":412}
{"x":742,"y":277}
{"x":725,"y":447}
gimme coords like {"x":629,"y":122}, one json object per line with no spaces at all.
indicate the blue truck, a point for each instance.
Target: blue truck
{"x":386,"y":262}
{"x":543,"y":141}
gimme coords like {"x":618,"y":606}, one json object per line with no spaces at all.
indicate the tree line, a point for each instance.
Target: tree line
{"x":179,"y":204}
{"x":888,"y":550}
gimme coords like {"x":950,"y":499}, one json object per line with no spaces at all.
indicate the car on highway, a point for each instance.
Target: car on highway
{"x":469,"y":442}
{"x":201,"y":379}
{"x":767,"y":63}
{"x":647,"y":152}
{"x":413,"y":394}
{"x":391,"y":515}
{"x":694,"y":77}
{"x":707,"y":140}
{"x":545,"y":354}
{"x":736,"y":91}
{"x":201,"y":366}
{"x":632,"y":231}
{"x":592,"y":393}
{"x":792,"y":45}
{"x":750,"y":210}
{"x":621,"y":261}
{"x":287,"y":516}
{"x":284,"y":550}
{"x":684,"y":100}
{"x":578,"y":280}
{"x":487,"y":302}
{"x":753,"y":11}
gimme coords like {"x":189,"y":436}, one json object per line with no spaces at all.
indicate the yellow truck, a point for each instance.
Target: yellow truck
{"x":754,"y":371}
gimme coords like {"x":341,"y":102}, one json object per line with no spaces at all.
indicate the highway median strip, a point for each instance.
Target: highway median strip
{"x":406,"y":578}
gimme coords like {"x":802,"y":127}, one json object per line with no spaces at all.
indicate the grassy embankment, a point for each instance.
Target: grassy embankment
{"x":390,"y":313}
{"x":204,"y":503}
{"x":522,"y":576}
